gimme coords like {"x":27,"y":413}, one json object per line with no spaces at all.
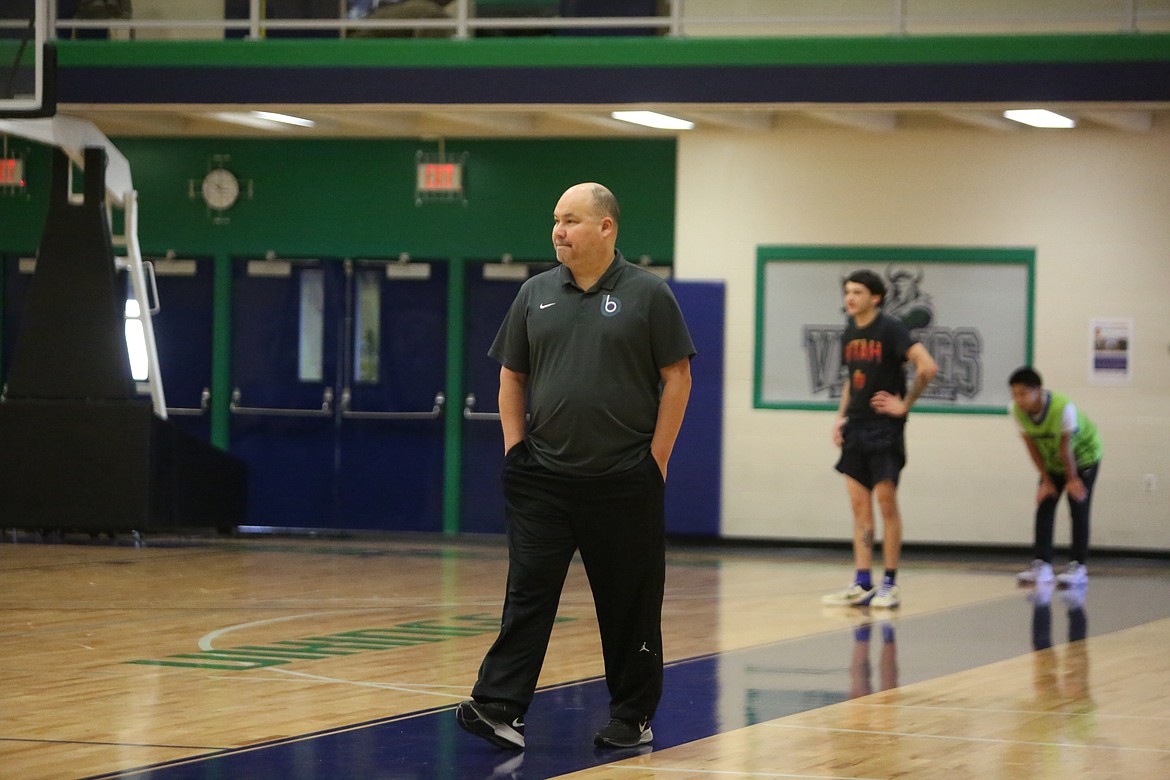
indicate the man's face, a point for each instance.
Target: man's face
{"x":1030,"y":399}
{"x":579,"y":234}
{"x":859,"y":300}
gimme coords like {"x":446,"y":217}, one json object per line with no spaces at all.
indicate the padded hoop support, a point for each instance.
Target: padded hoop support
{"x":72,"y":343}
{"x":81,"y":450}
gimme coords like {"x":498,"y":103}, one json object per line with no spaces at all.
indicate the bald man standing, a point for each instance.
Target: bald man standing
{"x":594,"y":381}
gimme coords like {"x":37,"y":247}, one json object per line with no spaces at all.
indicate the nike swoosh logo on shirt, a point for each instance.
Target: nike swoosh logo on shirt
{"x":546,"y":305}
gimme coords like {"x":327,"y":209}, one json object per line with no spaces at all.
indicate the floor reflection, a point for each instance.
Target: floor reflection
{"x":860,"y":666}
{"x":1060,"y":673}
{"x":1074,"y":600}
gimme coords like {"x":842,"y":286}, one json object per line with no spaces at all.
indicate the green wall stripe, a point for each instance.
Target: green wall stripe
{"x":453,"y":418}
{"x":555,"y":51}
{"x":853,"y":253}
{"x":221,"y":351}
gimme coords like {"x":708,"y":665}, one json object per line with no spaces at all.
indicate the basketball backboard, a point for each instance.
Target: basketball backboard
{"x":28,"y":64}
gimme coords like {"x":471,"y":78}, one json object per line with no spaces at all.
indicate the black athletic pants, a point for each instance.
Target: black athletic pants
{"x":1078,"y":510}
{"x":617,"y":523}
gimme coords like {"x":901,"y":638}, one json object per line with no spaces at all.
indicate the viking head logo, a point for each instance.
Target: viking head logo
{"x":905,"y":298}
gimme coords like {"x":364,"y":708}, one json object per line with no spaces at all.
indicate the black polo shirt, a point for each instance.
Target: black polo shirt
{"x":592,"y":358}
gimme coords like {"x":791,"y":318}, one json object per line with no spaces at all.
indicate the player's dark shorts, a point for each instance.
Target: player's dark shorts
{"x":874,"y":450}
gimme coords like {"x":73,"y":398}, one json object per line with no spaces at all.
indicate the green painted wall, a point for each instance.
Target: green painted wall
{"x":352,"y":198}
{"x":355,"y":198}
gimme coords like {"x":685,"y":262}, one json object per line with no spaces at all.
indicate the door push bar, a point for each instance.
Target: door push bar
{"x":187,"y":411}
{"x":326,"y":409}
{"x":434,"y":413}
{"x":469,"y":412}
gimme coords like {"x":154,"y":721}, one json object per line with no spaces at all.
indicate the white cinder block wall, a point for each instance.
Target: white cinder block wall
{"x":1095,"y":205}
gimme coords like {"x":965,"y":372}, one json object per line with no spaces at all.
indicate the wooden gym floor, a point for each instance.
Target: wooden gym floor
{"x":343,"y":658}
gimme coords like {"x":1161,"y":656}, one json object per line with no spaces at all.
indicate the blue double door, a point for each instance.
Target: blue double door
{"x":338,"y":375}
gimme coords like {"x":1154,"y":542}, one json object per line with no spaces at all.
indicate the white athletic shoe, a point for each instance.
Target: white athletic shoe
{"x":853,"y":596}
{"x":887,"y":597}
{"x":1039,"y":572}
{"x":1074,"y":574}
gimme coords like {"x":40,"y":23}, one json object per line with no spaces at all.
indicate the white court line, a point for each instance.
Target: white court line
{"x":257,"y":679}
{"x":206,"y":642}
{"x":1096,"y":714}
{"x":966,"y":739}
{"x":360,"y":684}
{"x":656,"y":769}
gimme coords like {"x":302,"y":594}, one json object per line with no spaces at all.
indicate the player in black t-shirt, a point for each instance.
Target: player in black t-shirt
{"x":870,"y":430}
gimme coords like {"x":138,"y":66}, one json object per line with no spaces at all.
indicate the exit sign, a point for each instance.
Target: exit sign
{"x":11,"y":172}
{"x":442,"y":177}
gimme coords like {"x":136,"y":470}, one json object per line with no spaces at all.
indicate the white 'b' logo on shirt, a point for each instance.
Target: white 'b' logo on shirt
{"x":610,"y":306}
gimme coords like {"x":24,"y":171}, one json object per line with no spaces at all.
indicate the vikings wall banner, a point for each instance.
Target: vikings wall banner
{"x":971,"y":307}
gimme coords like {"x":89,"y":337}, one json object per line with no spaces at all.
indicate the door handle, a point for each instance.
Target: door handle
{"x":187,"y":411}
{"x":434,"y":413}
{"x":326,"y":409}
{"x":469,"y":412}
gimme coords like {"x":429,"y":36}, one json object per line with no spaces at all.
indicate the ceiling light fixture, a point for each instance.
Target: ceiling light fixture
{"x":653,"y":119}
{"x":264,"y":120}
{"x":285,"y":118}
{"x":1039,"y":117}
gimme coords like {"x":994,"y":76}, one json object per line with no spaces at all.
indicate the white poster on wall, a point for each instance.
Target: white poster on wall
{"x":970,"y":308}
{"x":1110,"y":360}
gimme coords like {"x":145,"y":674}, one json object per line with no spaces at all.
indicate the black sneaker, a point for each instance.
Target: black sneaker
{"x":624,"y":733}
{"x":499,"y":723}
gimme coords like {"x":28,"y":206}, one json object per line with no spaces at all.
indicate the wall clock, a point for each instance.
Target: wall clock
{"x":220,"y":189}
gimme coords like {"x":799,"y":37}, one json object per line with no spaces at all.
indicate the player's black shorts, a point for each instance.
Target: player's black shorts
{"x":874,"y":450}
